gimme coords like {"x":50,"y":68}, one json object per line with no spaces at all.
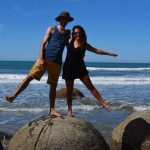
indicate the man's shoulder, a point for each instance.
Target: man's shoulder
{"x":51,"y":27}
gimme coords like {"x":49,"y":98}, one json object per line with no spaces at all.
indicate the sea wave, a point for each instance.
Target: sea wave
{"x":76,"y":107}
{"x":130,"y":107}
{"x":81,"y":107}
{"x":6,"y":109}
{"x":117,"y":69}
{"x":125,"y":80}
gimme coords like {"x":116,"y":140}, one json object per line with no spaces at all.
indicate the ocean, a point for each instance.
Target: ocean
{"x":125,"y":86}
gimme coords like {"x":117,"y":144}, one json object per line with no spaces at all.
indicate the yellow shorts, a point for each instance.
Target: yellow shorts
{"x":52,"y":69}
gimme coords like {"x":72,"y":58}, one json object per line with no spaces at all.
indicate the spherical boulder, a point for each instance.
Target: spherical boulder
{"x":47,"y":133}
{"x":133,"y":133}
{"x":62,"y":93}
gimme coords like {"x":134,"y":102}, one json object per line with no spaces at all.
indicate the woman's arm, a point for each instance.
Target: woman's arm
{"x":99,"y":51}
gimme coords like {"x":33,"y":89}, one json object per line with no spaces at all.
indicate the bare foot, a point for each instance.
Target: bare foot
{"x":106,"y":106}
{"x":54,"y":114}
{"x":10,"y":98}
{"x":69,"y":114}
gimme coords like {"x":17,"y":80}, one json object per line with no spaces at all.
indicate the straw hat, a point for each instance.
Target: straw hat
{"x":65,"y":15}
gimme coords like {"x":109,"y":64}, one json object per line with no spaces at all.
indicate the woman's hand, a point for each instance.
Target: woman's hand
{"x":113,"y":54}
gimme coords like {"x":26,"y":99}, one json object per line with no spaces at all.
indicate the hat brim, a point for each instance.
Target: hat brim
{"x":68,"y":18}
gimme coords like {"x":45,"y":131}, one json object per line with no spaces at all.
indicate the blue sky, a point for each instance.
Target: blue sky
{"x":121,"y":26}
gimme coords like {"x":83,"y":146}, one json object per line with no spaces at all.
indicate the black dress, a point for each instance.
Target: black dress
{"x":74,"y":66}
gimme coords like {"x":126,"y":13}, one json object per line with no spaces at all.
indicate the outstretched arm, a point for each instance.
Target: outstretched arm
{"x":99,"y":51}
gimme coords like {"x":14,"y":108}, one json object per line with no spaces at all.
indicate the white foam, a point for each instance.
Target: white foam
{"x":141,"y":108}
{"x":118,"y":69}
{"x":17,"y":78}
{"x":129,"y":107}
{"x":82,"y":107}
{"x":117,"y":80}
{"x":5,"y":109}
{"x":40,"y":109}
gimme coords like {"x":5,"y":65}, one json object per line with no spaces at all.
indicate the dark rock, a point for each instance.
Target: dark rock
{"x":7,"y":136}
{"x":48,"y":133}
{"x":1,"y":147}
{"x":133,"y":133}
{"x":62,"y":93}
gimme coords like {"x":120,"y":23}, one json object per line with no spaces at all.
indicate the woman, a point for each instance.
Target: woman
{"x":74,"y":66}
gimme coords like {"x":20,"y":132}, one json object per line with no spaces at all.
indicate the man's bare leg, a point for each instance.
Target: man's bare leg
{"x":52,"y":96}
{"x":20,"y":88}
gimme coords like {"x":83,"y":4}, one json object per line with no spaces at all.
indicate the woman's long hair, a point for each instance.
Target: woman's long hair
{"x":83,"y":34}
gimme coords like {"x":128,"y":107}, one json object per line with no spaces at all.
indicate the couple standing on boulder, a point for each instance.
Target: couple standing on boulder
{"x":50,"y":60}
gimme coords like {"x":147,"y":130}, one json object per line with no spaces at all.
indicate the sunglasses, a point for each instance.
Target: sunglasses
{"x":75,"y":33}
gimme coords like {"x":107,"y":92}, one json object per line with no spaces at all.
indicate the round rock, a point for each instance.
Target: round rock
{"x":62,"y":93}
{"x":48,"y":133}
{"x":133,"y":133}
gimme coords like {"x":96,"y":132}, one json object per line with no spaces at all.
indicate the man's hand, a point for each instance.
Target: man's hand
{"x":42,"y":62}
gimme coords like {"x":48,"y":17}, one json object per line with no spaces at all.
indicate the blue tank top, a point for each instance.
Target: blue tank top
{"x":55,"y":46}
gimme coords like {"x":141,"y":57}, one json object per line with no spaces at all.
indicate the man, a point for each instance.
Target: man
{"x":50,"y":60}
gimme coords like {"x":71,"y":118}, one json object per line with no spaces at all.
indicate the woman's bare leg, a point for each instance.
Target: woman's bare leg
{"x":69,"y":85}
{"x":87,"y":82}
